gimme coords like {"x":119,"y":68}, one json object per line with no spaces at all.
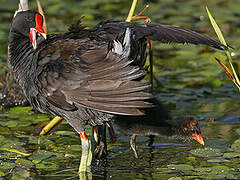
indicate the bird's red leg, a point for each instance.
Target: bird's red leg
{"x":86,"y":158}
{"x":95,"y":134}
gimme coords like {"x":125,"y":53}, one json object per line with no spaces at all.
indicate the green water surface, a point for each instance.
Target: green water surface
{"x":188,"y":81}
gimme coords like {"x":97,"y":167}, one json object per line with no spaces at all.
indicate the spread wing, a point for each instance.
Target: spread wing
{"x":104,"y":83}
{"x":156,"y":32}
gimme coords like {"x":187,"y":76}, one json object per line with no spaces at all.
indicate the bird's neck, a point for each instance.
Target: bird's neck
{"x":168,"y":131}
{"x":20,"y":57}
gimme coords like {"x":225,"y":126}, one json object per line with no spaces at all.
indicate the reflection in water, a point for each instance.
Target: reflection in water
{"x":157,"y":121}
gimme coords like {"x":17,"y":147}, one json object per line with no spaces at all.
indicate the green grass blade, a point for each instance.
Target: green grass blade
{"x":216,"y":28}
{"x":222,"y":40}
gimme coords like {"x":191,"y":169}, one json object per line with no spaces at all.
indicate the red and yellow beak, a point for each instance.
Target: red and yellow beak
{"x":38,"y":29}
{"x":198,"y":138}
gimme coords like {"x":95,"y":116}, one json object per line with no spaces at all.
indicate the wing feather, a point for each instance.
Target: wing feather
{"x":105,"y":85}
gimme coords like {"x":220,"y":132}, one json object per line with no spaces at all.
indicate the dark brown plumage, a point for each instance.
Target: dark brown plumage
{"x":87,"y":76}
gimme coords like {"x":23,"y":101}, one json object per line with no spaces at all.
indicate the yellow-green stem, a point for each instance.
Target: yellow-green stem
{"x":16,"y":151}
{"x":50,"y":125}
{"x":131,"y":12}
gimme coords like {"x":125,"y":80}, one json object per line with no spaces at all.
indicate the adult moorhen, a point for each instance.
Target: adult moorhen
{"x":86,"y":76}
{"x":158,"y":122}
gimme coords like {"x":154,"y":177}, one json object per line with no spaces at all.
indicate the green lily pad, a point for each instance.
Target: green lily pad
{"x":212,"y":82}
{"x":21,"y":174}
{"x":65,"y":133}
{"x":24,"y":163}
{"x":2,"y":139}
{"x":231,"y":155}
{"x":41,"y":118}
{"x":9,"y":123}
{"x":21,"y":110}
{"x":24,"y":123}
{"x":41,"y":155}
{"x":192,"y":159}
{"x":215,"y":172}
{"x":238,"y":131}
{"x":203,"y":170}
{"x":235,"y":146}
{"x":217,"y":160}
{"x":206,"y":152}
{"x":44,"y":141}
{"x":4,"y":130}
{"x":175,"y":178}
{"x":74,"y":148}
{"x":2,"y":173}
{"x":7,"y":165}
{"x":47,"y":166}
{"x":181,"y":167}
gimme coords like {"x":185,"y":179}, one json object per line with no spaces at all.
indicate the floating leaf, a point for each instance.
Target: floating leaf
{"x":212,"y":82}
{"x":220,"y":160}
{"x":47,"y":166}
{"x":41,"y":155}
{"x":181,"y":167}
{"x":231,"y":155}
{"x":2,"y":173}
{"x":206,"y":152}
{"x":7,"y":165}
{"x":235,"y":146}
{"x":238,"y":131}
{"x":24,"y":163}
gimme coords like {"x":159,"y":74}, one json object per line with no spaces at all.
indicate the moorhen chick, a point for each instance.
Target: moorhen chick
{"x":86,"y":76}
{"x":158,"y":122}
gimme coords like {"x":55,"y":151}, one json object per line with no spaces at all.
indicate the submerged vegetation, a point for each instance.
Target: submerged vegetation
{"x":187,"y":80}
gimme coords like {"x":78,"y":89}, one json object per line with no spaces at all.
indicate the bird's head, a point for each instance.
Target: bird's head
{"x":28,"y":23}
{"x":190,"y":129}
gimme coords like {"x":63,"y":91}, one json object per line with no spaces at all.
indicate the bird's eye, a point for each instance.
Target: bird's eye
{"x":185,"y":129}
{"x":38,"y":34}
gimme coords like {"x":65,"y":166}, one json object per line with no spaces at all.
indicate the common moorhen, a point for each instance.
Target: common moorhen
{"x":86,"y":75}
{"x":158,"y":122}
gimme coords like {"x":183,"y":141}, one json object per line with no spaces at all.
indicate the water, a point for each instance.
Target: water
{"x":188,"y":82}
